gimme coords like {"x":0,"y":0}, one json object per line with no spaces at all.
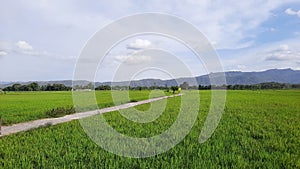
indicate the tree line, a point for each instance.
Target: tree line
{"x":36,"y":87}
{"x":185,"y":86}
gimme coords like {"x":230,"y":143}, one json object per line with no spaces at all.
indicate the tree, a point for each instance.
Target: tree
{"x":16,"y":87}
{"x":55,"y":87}
{"x":174,"y":88}
{"x":24,"y":88}
{"x":89,"y":86}
{"x":9,"y":88}
{"x":33,"y":86}
{"x":103,"y":87}
{"x":204,"y":87}
{"x":184,"y":86}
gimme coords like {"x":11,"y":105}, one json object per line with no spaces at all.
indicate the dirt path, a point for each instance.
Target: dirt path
{"x":7,"y":130}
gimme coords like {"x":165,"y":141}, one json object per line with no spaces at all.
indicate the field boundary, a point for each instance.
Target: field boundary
{"x":20,"y":127}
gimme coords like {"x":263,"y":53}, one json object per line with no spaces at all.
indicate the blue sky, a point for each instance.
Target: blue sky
{"x":40,"y":40}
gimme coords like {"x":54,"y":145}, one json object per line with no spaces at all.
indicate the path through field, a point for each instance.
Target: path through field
{"x":7,"y":130}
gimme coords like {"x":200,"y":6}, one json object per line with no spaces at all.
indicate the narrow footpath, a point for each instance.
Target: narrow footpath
{"x":20,"y":127}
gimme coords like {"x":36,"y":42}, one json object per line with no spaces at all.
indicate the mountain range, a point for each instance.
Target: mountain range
{"x":232,"y":77}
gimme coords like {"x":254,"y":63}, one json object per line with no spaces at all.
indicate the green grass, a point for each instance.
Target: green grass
{"x":16,"y":107}
{"x":259,"y":129}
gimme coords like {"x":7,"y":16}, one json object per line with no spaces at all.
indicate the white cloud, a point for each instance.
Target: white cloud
{"x":25,"y":48}
{"x":289,"y":11}
{"x":226,"y":24}
{"x":282,"y":53}
{"x":5,"y":46}
{"x":3,"y":53}
{"x":241,"y":67}
{"x":139,"y":44}
{"x":34,"y":53}
{"x":284,"y":47}
{"x":229,"y":25}
{"x":132,"y":59}
{"x":23,"y":45}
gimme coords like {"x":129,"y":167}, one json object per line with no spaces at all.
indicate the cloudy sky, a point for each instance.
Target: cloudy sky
{"x":41,"y":40}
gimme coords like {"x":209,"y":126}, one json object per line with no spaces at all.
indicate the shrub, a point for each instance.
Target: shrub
{"x":133,"y":100}
{"x":60,"y":111}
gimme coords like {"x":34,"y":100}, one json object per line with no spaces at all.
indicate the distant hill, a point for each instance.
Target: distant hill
{"x":273,"y":75}
{"x":232,"y":77}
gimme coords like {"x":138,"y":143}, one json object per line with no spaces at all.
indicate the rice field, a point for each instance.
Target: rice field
{"x":16,"y":107}
{"x":258,"y":129}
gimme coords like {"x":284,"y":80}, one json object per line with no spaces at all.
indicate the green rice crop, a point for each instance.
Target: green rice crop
{"x":259,"y":129}
{"x":16,"y":107}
